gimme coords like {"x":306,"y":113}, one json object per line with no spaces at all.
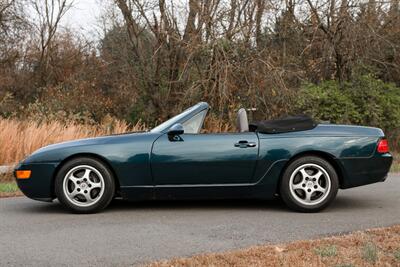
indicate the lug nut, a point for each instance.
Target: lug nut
{"x":315,"y":186}
{"x":90,"y":185}
{"x":309,"y":190}
{"x":303,"y":185}
{"x":78,"y":189}
{"x":85,"y":191}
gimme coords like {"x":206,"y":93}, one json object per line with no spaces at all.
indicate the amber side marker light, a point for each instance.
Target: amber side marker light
{"x":25,"y":174}
{"x":383,"y":146}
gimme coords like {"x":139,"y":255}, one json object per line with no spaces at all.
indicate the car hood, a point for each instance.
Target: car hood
{"x":91,"y":141}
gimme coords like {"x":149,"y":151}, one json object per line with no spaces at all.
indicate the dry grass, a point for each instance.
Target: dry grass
{"x":377,"y":247}
{"x":20,"y":138}
{"x":11,"y":194}
{"x":6,"y":177}
{"x":216,"y":125}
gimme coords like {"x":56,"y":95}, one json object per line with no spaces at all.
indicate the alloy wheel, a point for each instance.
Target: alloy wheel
{"x":83,"y":185}
{"x":310,"y":184}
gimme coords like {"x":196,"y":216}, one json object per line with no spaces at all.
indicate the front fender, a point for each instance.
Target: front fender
{"x":127,"y":155}
{"x":40,"y":185}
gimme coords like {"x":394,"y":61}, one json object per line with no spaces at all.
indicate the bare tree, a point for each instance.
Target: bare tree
{"x":12,"y":29}
{"x":157,"y":56}
{"x":48,"y":16}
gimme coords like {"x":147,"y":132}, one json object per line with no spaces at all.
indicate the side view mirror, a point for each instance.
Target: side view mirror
{"x":176,"y":129}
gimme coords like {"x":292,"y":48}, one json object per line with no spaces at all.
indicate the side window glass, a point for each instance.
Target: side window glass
{"x":194,"y":124}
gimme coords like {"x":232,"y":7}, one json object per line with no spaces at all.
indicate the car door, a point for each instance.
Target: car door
{"x":204,"y":159}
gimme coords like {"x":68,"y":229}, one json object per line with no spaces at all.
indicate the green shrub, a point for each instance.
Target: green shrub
{"x":365,"y":101}
{"x":397,"y":254}
{"x":8,"y":187}
{"x":370,"y":252}
{"x":328,"y":251}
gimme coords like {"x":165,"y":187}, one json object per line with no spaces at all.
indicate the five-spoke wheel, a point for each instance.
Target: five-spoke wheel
{"x":84,"y":185}
{"x":309,"y":184}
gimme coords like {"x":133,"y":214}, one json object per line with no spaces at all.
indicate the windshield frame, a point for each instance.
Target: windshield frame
{"x":181,"y":117}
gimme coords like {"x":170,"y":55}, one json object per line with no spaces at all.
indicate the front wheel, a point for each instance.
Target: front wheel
{"x":84,"y":185}
{"x":309,"y":184}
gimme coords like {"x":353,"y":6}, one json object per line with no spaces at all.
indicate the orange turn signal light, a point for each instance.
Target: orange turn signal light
{"x":25,"y":174}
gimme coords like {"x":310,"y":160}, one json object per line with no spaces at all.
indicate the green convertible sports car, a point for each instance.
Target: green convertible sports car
{"x":303,"y":162}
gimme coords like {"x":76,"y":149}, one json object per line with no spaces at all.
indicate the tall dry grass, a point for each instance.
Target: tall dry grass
{"x":18,"y":139}
{"x":217,"y":125}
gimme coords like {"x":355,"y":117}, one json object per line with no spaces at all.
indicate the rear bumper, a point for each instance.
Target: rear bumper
{"x":40,"y":185}
{"x":384,"y":178}
{"x":363,"y":171}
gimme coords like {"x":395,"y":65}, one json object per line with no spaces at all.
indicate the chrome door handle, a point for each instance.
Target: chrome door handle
{"x":241,"y":144}
{"x":244,"y":144}
{"x":251,"y":144}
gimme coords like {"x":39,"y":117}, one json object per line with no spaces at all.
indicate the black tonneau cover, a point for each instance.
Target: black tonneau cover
{"x":284,"y":125}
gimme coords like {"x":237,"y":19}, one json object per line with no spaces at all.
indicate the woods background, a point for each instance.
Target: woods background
{"x":337,"y":60}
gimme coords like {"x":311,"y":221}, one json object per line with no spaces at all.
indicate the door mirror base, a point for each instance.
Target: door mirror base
{"x":176,"y":129}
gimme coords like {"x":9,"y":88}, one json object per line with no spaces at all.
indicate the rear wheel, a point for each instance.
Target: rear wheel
{"x":309,"y":184}
{"x":84,"y":185}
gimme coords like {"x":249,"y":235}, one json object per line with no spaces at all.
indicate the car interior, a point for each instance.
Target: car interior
{"x":195,"y":124}
{"x":282,"y":125}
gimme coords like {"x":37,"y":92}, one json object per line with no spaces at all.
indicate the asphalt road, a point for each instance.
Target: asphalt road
{"x":43,"y":234}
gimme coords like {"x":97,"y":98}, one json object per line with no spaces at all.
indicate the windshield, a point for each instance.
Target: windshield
{"x":178,"y":118}
{"x":194,"y":124}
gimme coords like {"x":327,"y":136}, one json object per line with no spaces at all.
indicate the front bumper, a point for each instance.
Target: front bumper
{"x":40,"y":186}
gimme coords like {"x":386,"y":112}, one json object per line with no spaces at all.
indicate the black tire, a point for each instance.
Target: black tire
{"x":107,"y":187}
{"x":296,"y":198}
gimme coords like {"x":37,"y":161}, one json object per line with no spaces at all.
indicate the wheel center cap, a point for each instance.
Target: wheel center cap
{"x":310,"y":184}
{"x":83,"y":185}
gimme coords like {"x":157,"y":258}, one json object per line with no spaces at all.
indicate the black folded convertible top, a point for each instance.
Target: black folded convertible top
{"x":284,"y":125}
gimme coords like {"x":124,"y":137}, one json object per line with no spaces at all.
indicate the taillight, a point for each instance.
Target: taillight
{"x":383,"y":146}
